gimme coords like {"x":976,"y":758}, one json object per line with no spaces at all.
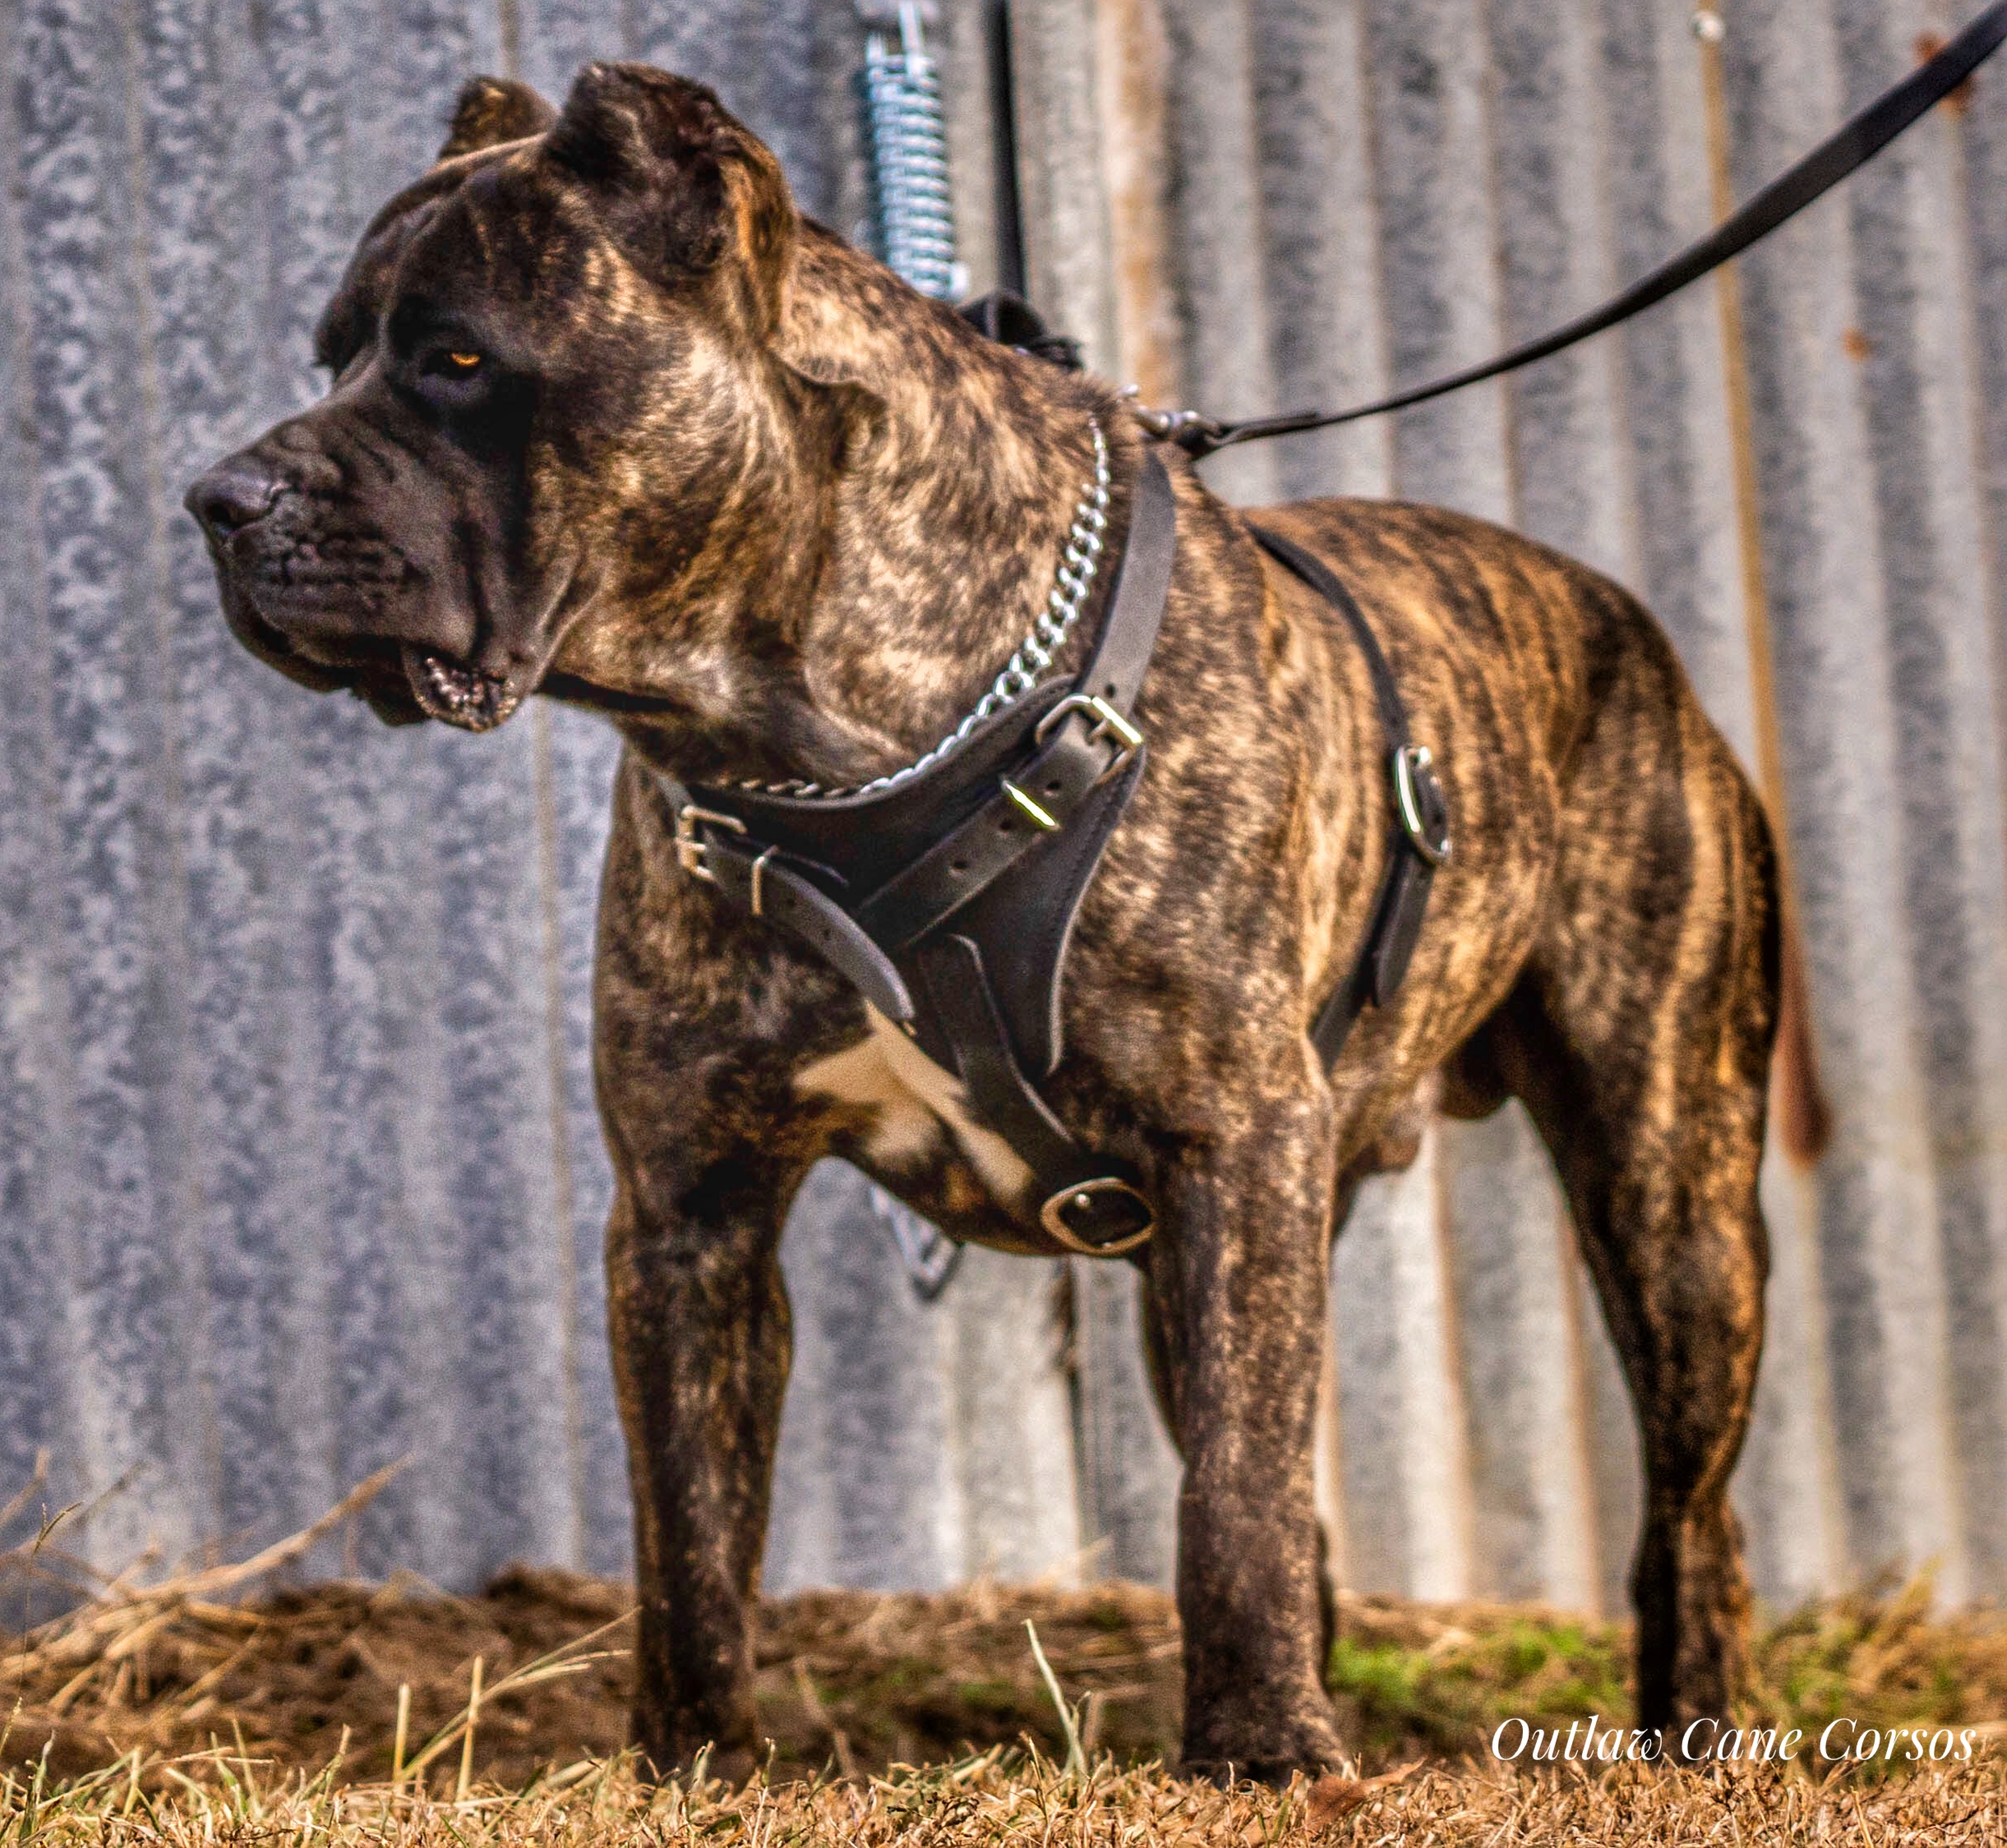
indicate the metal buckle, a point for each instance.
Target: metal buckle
{"x":1189,"y":430}
{"x":1107,"y":722}
{"x":759,"y":882}
{"x":1051,"y":1217}
{"x":690,"y":844}
{"x":1042,"y":817}
{"x":1411,"y":765}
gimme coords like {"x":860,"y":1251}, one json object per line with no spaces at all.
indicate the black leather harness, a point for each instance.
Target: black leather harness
{"x":947,"y":898}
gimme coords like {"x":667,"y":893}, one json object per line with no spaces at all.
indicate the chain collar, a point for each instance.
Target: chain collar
{"x":1078,"y":566}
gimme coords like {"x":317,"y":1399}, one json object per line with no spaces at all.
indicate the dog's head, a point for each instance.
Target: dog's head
{"x":540,"y":356}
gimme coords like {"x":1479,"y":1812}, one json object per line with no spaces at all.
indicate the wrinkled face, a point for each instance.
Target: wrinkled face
{"x":530,"y":353}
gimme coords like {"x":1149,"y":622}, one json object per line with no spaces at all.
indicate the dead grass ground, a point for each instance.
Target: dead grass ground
{"x":992,"y":1799}
{"x":180,"y":1712}
{"x":858,"y":1681}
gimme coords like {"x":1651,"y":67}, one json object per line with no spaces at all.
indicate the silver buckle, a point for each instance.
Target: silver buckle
{"x":1108,"y":723}
{"x":690,"y":844}
{"x":1411,"y":762}
{"x":759,"y":882}
{"x":1174,"y":426}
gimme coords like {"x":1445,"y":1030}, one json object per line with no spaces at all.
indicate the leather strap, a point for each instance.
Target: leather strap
{"x":1127,"y":638}
{"x":1090,"y":1203}
{"x":1024,"y":922}
{"x":1420,"y":835}
{"x":1039,"y":800}
{"x":764,"y":885}
{"x":1327,"y":584}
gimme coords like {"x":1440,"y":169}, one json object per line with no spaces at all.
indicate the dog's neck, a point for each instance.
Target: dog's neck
{"x":895,"y":525}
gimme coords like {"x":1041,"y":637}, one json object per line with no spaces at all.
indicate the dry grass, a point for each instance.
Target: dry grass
{"x":173,"y":1712}
{"x":990,"y":1799}
{"x":858,"y":1681}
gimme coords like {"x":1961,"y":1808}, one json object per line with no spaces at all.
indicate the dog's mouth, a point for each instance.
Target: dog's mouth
{"x":314,"y":627}
{"x":455,"y":693}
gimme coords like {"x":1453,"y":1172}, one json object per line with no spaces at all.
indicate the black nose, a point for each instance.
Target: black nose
{"x":236,"y":492}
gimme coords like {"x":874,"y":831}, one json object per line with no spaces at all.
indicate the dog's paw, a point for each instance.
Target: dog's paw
{"x":1265,"y":1755}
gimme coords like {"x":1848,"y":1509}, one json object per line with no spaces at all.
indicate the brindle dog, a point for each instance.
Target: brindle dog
{"x":612,"y":422}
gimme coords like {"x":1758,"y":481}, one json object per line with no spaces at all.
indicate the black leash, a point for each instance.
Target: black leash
{"x":1834,"y":160}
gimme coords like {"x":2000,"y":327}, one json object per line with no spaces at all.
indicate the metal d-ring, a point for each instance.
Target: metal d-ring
{"x":1050,"y":1216}
{"x":1411,"y":761}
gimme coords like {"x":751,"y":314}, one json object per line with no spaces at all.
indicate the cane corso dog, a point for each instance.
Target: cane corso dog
{"x":612,"y":422}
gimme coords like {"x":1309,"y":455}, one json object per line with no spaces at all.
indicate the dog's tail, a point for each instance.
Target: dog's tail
{"x":1798,"y":1104}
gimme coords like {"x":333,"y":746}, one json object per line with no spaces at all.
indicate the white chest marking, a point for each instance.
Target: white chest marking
{"x":912,"y":1100}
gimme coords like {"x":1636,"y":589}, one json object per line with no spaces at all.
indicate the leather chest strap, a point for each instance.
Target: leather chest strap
{"x":762,"y":885}
{"x":1089,"y":1204}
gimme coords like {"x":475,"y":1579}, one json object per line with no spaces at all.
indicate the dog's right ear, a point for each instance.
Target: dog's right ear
{"x":686,"y":185}
{"x":492,"y":110}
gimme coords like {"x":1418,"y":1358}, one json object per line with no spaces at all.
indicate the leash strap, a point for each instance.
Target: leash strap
{"x":1840,"y":155}
{"x":1420,"y":839}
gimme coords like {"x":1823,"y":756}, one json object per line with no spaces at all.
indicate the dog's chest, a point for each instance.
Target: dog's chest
{"x":914,"y":1110}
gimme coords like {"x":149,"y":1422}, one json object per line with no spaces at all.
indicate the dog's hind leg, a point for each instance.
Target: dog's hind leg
{"x":1639,"y":1038}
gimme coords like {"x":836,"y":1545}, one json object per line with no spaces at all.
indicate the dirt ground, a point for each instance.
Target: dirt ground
{"x":848,"y":1679}
{"x":850,"y":1682}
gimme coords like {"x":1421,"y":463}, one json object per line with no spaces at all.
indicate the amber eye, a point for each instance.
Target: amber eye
{"x":445,"y":363}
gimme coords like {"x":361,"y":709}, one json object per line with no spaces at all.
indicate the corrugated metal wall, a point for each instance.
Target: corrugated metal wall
{"x":298,"y":1169}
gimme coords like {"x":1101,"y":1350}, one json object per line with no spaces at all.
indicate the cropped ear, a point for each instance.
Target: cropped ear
{"x":492,"y":110}
{"x":683,"y":183}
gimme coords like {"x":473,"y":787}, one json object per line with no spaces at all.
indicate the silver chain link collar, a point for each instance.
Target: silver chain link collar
{"x":1068,"y":598}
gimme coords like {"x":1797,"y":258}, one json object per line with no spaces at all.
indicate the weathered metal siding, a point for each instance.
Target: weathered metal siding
{"x":298,"y":1166}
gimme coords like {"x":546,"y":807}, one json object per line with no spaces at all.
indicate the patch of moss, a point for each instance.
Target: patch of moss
{"x":1411,"y":1680}
{"x":1447,"y":1696}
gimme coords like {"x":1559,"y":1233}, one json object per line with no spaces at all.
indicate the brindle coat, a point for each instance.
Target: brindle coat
{"x":700,"y":466}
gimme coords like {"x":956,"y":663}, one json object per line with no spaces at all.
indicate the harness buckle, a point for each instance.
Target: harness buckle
{"x":690,"y":844}
{"x":1192,"y":431}
{"x":1418,"y":797}
{"x":1107,"y":723}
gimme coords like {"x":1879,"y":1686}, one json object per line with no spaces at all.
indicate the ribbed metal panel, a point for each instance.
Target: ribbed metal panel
{"x":299,"y":1171}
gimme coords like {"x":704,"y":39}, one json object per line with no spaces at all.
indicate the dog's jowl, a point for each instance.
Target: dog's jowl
{"x":611,"y":423}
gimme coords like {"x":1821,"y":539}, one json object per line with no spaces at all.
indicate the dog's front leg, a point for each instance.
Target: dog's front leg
{"x":1237,"y":1296}
{"x":699,"y":1321}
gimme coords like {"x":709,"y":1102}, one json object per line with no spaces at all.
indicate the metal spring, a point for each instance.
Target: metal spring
{"x":909,"y":158}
